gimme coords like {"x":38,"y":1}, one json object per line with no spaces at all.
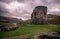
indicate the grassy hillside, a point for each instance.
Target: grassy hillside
{"x":30,"y":29}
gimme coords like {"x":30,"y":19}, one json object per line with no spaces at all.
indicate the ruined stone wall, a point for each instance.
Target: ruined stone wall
{"x":39,"y":15}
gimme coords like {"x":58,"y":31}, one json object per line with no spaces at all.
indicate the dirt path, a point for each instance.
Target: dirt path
{"x":18,"y":37}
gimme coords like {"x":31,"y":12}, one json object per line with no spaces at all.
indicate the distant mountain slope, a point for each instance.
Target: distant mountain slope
{"x":9,"y":19}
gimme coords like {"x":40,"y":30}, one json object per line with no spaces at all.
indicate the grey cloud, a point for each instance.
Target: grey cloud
{"x":7,"y":1}
{"x":53,"y":1}
{"x":3,"y":9}
{"x":27,"y":6}
{"x":56,"y":1}
{"x":20,"y":0}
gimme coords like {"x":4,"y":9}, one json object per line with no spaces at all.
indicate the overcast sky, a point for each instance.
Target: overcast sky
{"x":23,"y":8}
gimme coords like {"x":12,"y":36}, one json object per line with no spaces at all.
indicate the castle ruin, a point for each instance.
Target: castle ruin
{"x":39,"y":15}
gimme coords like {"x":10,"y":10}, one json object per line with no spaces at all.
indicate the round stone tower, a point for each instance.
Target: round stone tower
{"x":39,"y":15}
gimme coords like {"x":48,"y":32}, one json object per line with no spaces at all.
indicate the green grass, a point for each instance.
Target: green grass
{"x":29,"y":29}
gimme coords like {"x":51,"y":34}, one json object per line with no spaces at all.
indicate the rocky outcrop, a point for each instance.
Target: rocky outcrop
{"x":50,"y":35}
{"x":39,"y":15}
{"x":47,"y":35}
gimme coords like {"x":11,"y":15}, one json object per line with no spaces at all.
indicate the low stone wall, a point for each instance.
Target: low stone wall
{"x":8,"y":29}
{"x":8,"y":26}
